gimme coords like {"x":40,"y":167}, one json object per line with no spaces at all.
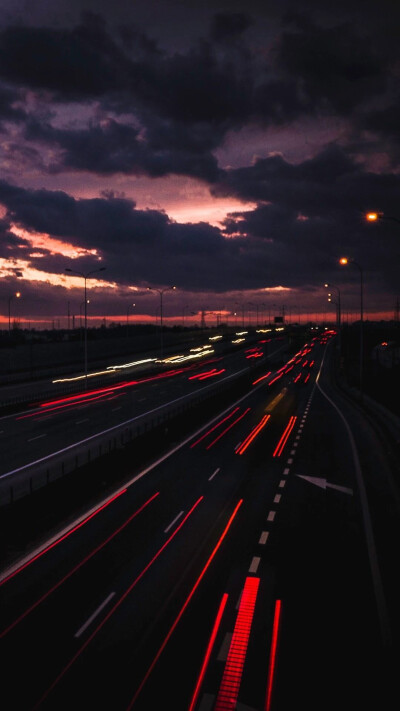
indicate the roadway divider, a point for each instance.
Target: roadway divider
{"x":31,"y":477}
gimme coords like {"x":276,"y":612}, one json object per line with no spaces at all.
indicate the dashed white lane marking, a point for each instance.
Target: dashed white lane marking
{"x":92,"y":617}
{"x":224,"y":649}
{"x":116,"y":408}
{"x":264,"y":537}
{"x":290,"y":461}
{"x":277,"y":498}
{"x":286,"y":471}
{"x":282,"y":483}
{"x":32,"y":439}
{"x":254,"y":564}
{"x":172,"y":522}
{"x":293,"y":451}
{"x":271,"y":515}
{"x":295,"y":444}
{"x":79,"y":422}
{"x":237,"y":446}
{"x":213,"y":475}
{"x":297,"y":436}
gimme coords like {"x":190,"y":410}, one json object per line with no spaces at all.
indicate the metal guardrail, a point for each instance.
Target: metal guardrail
{"x":25,"y":480}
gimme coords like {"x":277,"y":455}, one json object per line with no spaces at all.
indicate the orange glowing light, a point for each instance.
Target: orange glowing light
{"x":372,"y":216}
{"x":343,"y":260}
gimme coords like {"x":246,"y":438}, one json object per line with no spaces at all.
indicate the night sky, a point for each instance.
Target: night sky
{"x":229,"y":148}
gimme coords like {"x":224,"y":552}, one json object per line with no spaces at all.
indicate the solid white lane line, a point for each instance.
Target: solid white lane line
{"x":254,"y":564}
{"x":92,"y":617}
{"x":213,"y":475}
{"x":271,"y":515}
{"x":264,"y":537}
{"x":32,"y":439}
{"x":172,"y":523}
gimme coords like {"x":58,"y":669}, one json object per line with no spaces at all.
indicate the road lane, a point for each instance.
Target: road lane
{"x":303,"y":542}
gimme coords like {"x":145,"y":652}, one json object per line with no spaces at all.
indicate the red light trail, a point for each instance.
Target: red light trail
{"x":78,"y":566}
{"x":114,"y":608}
{"x":208,"y":651}
{"x":214,"y":428}
{"x":272,"y":658}
{"x":228,"y":428}
{"x":232,"y":676}
{"x":62,"y":538}
{"x":285,"y":436}
{"x":242,"y":448}
{"x":188,"y":599}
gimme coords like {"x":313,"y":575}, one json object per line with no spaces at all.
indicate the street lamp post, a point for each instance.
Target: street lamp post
{"x":130,"y":306}
{"x":344,"y":261}
{"x":339,"y":314}
{"x":17,"y":296}
{"x":85,"y":277}
{"x":161,"y":292}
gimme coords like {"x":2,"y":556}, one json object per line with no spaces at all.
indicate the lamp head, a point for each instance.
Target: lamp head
{"x":343,"y":260}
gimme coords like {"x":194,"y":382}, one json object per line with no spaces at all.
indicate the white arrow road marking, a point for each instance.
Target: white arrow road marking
{"x":324,"y":484}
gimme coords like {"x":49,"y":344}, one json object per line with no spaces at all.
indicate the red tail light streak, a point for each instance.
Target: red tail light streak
{"x":187,"y":601}
{"x":254,"y":432}
{"x":207,"y":374}
{"x":263,"y":377}
{"x":228,"y":428}
{"x":208,"y":651}
{"x":66,"y":535}
{"x":118,"y":603}
{"x":297,"y":378}
{"x":232,"y":676}
{"x":272,"y":658}
{"x":79,"y":565}
{"x":214,"y":428}
{"x":285,"y":436}
{"x":275,"y":379}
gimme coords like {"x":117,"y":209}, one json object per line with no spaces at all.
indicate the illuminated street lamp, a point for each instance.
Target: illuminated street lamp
{"x":161,"y":292}
{"x":17,"y":296}
{"x":376,"y":216}
{"x":85,"y":277}
{"x":339,"y":311}
{"x":344,"y":261}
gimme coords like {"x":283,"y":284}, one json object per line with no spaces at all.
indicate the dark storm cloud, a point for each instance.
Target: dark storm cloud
{"x":226,"y":26}
{"x":112,"y":147}
{"x":8,"y":110}
{"x":273,"y":245}
{"x":336,"y":68}
{"x":182,"y":104}
{"x":76,"y":63}
{"x":328,"y":183}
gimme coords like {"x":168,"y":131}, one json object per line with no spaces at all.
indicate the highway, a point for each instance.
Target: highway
{"x":250,"y":565}
{"x":60,"y":421}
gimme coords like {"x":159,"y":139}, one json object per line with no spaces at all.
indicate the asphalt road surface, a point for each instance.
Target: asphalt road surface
{"x":250,"y":566}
